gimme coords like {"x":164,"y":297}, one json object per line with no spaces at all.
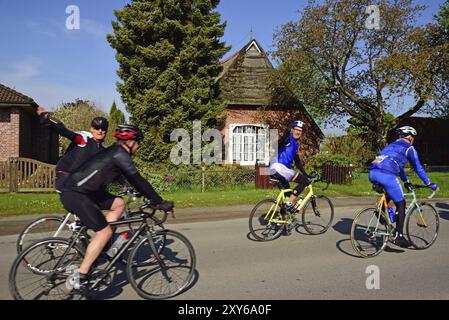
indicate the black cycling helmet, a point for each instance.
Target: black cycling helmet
{"x":128,"y":132}
{"x":100,"y":123}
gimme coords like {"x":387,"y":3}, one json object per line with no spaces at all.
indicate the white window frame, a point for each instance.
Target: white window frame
{"x":231,"y":143}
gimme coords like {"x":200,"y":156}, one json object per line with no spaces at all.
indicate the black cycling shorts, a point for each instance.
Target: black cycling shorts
{"x":88,"y":207}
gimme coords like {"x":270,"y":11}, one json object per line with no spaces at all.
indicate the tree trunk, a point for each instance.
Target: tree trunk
{"x":380,"y":138}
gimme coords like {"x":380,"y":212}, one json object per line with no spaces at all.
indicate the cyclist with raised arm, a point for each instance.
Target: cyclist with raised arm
{"x":386,"y":168}
{"x":281,"y":166}
{"x":85,"y":188}
{"x":83,"y":146}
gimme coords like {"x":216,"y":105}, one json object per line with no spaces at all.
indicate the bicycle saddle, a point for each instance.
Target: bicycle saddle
{"x":378,"y":188}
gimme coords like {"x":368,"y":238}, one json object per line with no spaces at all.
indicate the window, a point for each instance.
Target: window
{"x":249,"y":144}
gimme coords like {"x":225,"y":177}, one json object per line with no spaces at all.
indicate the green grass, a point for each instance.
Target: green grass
{"x":37,"y":203}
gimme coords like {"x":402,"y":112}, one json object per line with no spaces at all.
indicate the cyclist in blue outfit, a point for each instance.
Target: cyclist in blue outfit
{"x":389,"y":165}
{"x":281,"y":165}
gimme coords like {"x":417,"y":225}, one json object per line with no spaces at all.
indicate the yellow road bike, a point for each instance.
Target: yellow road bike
{"x":269,"y":218}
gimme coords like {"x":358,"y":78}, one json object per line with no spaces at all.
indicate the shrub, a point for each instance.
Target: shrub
{"x":351,"y":146}
{"x":317,"y":161}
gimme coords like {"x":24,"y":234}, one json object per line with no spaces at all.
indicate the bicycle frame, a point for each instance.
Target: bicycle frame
{"x":415,"y":204}
{"x":126,"y":212}
{"x":382,"y":208}
{"x":144,"y":228}
{"x":62,"y":225}
{"x":281,"y":198}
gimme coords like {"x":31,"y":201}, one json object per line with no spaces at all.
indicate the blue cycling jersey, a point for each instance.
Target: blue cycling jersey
{"x":287,"y":153}
{"x":393,"y":158}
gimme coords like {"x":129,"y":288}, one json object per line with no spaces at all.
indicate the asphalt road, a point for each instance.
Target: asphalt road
{"x":299,"y":266}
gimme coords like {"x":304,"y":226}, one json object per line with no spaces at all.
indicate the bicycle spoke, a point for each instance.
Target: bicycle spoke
{"x":156,"y":281}
{"x":260,"y":224}
{"x":318,"y":215}
{"x":368,"y":236}
{"x":422,"y":226}
{"x":32,"y":275}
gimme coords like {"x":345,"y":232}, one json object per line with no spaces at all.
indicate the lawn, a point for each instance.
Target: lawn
{"x":35,"y":203}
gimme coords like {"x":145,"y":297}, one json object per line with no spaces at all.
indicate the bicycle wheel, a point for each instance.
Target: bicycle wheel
{"x":260,"y":226}
{"x":41,"y":280}
{"x":422,"y":225}
{"x":43,"y":228}
{"x":318,"y":214}
{"x":149,"y":278}
{"x":368,"y":236}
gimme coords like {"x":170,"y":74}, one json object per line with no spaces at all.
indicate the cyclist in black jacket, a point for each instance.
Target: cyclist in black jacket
{"x":84,"y":145}
{"x":85,"y":187}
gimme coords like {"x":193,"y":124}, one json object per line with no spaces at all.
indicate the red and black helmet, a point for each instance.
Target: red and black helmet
{"x":128,"y":132}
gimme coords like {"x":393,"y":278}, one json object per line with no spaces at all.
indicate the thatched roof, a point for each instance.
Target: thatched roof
{"x":244,"y":76}
{"x":244,"y":82}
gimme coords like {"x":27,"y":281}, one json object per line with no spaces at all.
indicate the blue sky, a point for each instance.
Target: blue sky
{"x":41,"y":58}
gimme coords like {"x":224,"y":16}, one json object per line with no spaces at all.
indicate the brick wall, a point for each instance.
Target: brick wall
{"x":9,"y":132}
{"x":21,"y":135}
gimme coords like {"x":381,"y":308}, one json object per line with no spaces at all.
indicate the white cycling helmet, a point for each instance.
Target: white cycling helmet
{"x":406,"y":131}
{"x":298,"y":124}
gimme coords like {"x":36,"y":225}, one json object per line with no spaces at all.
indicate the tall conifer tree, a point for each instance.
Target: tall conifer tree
{"x":168,"y":54}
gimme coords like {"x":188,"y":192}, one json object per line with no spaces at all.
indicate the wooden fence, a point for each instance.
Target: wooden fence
{"x":263,"y":177}
{"x":337,"y":174}
{"x":26,"y":175}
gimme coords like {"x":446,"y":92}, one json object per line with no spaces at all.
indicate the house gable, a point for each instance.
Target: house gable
{"x":245,"y":75}
{"x":9,"y":97}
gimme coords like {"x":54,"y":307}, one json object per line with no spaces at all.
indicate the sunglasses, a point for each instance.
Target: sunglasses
{"x":100,"y":128}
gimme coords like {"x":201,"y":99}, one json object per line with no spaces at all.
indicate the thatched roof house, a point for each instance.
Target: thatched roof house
{"x":253,"y":109}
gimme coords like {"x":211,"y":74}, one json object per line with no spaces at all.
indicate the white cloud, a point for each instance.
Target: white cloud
{"x":27,"y":78}
{"x":20,"y":72}
{"x":39,"y":28}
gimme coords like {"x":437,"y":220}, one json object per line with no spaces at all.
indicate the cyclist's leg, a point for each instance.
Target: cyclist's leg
{"x":107,"y":201}
{"x":284,"y":174}
{"x":284,"y":182}
{"x":302,"y":183}
{"x":394,"y":191}
{"x":90,"y":215}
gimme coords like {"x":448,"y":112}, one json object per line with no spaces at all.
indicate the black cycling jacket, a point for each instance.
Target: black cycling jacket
{"x":83,"y":147}
{"x":107,"y":165}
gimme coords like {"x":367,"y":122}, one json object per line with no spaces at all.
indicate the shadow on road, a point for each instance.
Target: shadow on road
{"x":299,"y":228}
{"x":443,"y":210}
{"x":393,"y":249}
{"x":120,"y":280}
{"x":345,"y":247}
{"x":249,"y":236}
{"x":343,"y":226}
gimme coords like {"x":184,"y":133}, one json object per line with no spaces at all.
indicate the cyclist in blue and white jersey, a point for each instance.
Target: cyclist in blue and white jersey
{"x":281,"y":166}
{"x":386,"y":168}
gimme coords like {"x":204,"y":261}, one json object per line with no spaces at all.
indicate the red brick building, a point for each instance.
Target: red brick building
{"x":253,"y":109}
{"x":21,"y":135}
